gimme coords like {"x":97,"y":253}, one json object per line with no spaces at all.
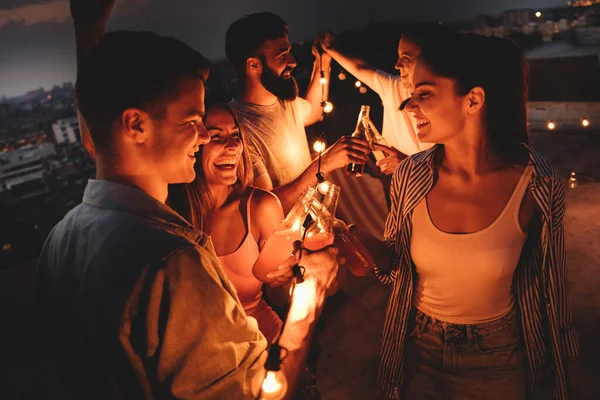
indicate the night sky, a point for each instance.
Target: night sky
{"x":37,"y":43}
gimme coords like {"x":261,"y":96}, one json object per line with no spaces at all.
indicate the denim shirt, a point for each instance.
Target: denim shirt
{"x":539,"y":283}
{"x":137,"y":306}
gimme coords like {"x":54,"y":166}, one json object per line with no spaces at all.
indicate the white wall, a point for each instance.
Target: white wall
{"x":567,"y":116}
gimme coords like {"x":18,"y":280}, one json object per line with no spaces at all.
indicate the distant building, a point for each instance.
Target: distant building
{"x":518,"y":18}
{"x":22,"y":171}
{"x":66,"y":130}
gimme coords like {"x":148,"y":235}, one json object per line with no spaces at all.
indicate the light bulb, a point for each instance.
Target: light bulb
{"x":538,"y":14}
{"x":323,"y":187}
{"x":342,"y":76}
{"x":551,"y":125}
{"x":585,"y":122}
{"x":323,"y":80}
{"x":573,"y":181}
{"x":327,"y":107}
{"x":362,"y":90}
{"x":319,"y":145}
{"x":358,"y":84}
{"x":274,"y":386}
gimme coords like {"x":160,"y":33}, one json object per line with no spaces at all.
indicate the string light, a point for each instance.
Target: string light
{"x":551,"y":125}
{"x":319,"y":145}
{"x":358,"y":84}
{"x":362,"y":90}
{"x":323,"y":80}
{"x":538,"y":14}
{"x":323,"y":187}
{"x":342,"y":76}
{"x":327,"y":107}
{"x":274,"y":386}
{"x":585,"y":122}
{"x":573,"y":181}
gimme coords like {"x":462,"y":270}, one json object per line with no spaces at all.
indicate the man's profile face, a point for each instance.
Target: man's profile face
{"x":408,"y":53}
{"x":176,"y":137}
{"x":277,"y":65}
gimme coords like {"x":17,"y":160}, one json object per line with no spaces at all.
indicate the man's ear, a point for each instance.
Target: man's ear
{"x":253,"y":66}
{"x":475,"y":100}
{"x":136,"y":124}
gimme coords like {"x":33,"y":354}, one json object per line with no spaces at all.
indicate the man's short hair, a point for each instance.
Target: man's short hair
{"x":132,"y":70}
{"x":245,"y":36}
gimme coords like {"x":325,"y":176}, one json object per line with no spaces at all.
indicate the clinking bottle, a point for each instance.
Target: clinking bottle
{"x":361,"y":131}
{"x":281,"y":243}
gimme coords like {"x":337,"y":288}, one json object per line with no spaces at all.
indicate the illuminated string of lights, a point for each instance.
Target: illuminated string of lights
{"x":325,"y":104}
{"x":551,"y":125}
{"x":274,"y":386}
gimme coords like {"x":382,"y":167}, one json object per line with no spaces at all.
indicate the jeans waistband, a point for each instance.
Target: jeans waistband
{"x":459,"y":332}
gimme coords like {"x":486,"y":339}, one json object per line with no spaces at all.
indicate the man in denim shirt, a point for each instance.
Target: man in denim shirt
{"x":134,"y":299}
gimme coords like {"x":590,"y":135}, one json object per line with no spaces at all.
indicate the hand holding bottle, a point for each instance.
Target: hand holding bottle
{"x":345,"y":151}
{"x":392,"y":157}
{"x":358,"y":259}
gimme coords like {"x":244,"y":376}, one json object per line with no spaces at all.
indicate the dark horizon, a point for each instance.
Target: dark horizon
{"x":39,"y":49}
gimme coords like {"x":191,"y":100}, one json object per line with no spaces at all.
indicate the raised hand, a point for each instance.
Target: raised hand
{"x":327,"y":40}
{"x":324,"y":56}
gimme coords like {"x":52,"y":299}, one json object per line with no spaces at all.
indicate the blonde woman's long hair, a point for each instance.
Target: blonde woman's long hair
{"x":195,"y":201}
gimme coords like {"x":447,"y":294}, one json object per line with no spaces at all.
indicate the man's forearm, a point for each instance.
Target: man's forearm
{"x":289,"y":193}
{"x":299,"y":328}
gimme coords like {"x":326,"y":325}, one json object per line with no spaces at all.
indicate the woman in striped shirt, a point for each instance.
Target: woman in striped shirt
{"x":479,"y":306}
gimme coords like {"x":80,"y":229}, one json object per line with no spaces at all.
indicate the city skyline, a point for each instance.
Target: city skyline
{"x":37,"y":43}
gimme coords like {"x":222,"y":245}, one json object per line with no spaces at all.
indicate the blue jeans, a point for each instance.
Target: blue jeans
{"x":455,"y":362}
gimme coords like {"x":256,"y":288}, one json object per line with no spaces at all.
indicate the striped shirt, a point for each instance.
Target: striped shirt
{"x":539,"y":283}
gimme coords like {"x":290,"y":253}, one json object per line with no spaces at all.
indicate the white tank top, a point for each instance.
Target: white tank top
{"x":467,"y":278}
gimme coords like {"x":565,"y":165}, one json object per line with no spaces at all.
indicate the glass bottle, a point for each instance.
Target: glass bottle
{"x":374,"y":137}
{"x":361,"y":131}
{"x":281,"y":243}
{"x":320,"y":233}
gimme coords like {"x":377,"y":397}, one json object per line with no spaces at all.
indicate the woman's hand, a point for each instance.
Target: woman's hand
{"x":283,"y":274}
{"x":393,"y":157}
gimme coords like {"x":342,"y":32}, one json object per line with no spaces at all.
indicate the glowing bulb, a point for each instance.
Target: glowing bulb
{"x":323,"y":187}
{"x":319,"y":145}
{"x":538,"y":14}
{"x":573,"y":181}
{"x":323,"y":80}
{"x":274,"y":386}
{"x":342,"y":76}
{"x":358,"y":84}
{"x":362,"y":90}
{"x":328,"y":107}
{"x":551,"y":125}
{"x":585,"y":122}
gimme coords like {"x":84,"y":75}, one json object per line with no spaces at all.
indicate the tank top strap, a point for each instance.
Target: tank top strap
{"x":248,"y":215}
{"x":519,"y":193}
